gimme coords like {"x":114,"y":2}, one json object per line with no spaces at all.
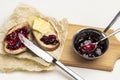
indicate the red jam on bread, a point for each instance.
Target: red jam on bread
{"x":12,"y":39}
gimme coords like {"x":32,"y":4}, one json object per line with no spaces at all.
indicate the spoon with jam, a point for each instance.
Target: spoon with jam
{"x":92,"y":46}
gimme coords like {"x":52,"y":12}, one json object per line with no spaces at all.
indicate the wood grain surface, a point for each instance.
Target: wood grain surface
{"x":106,"y":62}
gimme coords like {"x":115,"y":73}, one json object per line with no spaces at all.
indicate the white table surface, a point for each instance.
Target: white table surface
{"x":84,"y":12}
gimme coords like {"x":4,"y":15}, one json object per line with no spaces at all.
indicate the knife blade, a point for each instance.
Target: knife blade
{"x":47,"y":57}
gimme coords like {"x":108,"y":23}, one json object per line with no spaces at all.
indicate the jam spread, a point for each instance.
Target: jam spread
{"x":13,"y":41}
{"x":88,"y":47}
{"x":49,"y":40}
{"x":83,"y":43}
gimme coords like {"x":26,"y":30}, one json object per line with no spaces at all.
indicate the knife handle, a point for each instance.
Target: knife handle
{"x":69,"y":71}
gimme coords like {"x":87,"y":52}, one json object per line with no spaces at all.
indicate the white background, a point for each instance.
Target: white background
{"x":84,"y":12}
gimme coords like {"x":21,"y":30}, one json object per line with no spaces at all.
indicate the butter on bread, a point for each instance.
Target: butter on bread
{"x":41,"y":28}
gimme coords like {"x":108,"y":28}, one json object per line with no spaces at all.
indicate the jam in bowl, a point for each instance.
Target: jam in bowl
{"x":83,"y":39}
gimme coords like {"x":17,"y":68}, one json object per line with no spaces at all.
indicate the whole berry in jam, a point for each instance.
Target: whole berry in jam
{"x":49,"y":40}
{"x":88,"y":47}
{"x":12,"y":39}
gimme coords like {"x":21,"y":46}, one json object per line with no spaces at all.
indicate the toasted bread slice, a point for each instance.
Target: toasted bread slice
{"x":12,"y":44}
{"x":43,"y":29}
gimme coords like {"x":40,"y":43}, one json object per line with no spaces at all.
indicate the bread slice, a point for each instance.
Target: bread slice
{"x":12,"y":44}
{"x":43,"y":29}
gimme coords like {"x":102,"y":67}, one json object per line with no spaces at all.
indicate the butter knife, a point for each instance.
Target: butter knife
{"x":47,"y":57}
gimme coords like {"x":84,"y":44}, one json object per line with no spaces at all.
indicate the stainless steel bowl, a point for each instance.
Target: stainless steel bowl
{"x":92,"y":55}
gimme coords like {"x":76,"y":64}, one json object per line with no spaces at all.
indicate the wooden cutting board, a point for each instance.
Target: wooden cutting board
{"x":106,"y":62}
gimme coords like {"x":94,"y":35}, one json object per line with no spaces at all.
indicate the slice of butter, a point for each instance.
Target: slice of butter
{"x":31,"y":20}
{"x":41,"y":26}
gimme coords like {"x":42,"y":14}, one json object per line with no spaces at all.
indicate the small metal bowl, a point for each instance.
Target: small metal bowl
{"x":90,"y":35}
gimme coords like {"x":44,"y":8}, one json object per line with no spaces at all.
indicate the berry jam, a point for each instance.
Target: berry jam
{"x":83,"y":43}
{"x":88,"y":47}
{"x":13,"y":41}
{"x":50,"y":39}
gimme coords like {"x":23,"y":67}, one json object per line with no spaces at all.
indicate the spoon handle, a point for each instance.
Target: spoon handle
{"x":112,"y":22}
{"x":115,"y":32}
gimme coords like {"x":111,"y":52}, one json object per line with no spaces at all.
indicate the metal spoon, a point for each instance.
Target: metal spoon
{"x":112,"y":22}
{"x":94,"y":45}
